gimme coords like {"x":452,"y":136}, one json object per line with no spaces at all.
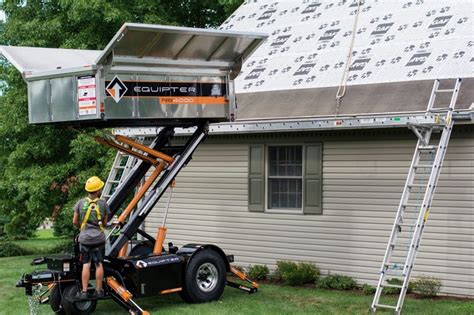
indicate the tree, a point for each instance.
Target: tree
{"x":42,"y":168}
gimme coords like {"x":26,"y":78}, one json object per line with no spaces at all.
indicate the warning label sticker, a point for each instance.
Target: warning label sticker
{"x":86,"y":97}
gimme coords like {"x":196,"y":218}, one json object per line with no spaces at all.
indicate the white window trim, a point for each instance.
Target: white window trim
{"x":267,"y":164}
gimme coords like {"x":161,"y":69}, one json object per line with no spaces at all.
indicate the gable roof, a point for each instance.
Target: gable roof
{"x":399,"y":48}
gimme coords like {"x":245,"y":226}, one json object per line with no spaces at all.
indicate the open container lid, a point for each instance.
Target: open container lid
{"x":31,"y":61}
{"x":170,"y":45}
{"x":142,"y":45}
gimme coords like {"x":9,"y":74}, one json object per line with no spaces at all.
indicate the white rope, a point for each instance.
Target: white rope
{"x":341,"y":91}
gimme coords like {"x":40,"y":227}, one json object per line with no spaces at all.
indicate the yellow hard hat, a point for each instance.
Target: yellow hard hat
{"x":94,"y":184}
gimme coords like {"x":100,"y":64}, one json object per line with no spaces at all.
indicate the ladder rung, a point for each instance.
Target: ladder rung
{"x":386,"y":306}
{"x":444,"y":91}
{"x":114,"y":181}
{"x":427,"y":147}
{"x":405,"y":225}
{"x":388,"y":285}
{"x":411,"y":205}
{"x":417,"y":185}
{"x":423,"y":166}
{"x":121,"y":167}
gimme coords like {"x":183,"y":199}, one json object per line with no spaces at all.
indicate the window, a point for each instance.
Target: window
{"x":285,"y":177}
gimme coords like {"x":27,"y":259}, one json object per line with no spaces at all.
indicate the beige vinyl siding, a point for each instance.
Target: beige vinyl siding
{"x":362,"y":183}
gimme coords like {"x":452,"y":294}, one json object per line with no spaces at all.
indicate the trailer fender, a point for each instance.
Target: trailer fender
{"x":192,"y":249}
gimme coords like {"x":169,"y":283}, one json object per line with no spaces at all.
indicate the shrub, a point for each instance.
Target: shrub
{"x":427,"y":286}
{"x":258,"y":272}
{"x":66,"y":247}
{"x":8,"y":249}
{"x":296,"y":274}
{"x":337,"y":282}
{"x":368,"y":289}
{"x":396,"y":281}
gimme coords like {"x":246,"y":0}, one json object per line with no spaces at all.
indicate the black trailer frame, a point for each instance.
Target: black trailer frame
{"x":143,"y":272}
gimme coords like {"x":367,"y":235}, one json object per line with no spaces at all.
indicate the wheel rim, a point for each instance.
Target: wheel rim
{"x":83,"y":306}
{"x":207,"y":277}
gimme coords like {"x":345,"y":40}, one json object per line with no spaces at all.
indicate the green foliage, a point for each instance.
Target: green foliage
{"x":427,"y":286}
{"x":42,"y":168}
{"x":66,"y":247}
{"x":273,"y":299}
{"x":368,"y":289}
{"x":336,"y":282}
{"x":258,"y":272}
{"x":396,"y":281}
{"x":8,"y":249}
{"x":296,"y":273}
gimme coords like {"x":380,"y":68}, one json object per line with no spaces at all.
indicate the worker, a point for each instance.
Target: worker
{"x":90,"y":216}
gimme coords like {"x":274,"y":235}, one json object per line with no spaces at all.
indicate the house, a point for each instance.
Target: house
{"x":300,"y":176}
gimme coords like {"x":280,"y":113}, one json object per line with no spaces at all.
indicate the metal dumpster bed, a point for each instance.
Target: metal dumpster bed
{"x":147,"y":75}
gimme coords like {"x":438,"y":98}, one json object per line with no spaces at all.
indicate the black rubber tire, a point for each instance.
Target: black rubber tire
{"x":55,"y":299}
{"x":76,"y":308}
{"x":192,"y":291}
{"x":143,"y":249}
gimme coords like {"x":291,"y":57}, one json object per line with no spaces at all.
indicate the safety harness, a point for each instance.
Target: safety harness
{"x":90,"y":205}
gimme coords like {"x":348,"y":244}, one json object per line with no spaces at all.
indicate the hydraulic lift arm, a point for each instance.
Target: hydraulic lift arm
{"x":180,"y":160}
{"x":137,"y":173}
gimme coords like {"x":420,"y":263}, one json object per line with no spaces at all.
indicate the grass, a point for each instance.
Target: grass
{"x":43,"y":243}
{"x":271,"y":299}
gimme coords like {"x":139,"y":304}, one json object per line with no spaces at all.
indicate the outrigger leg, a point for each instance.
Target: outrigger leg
{"x":242,"y":276}
{"x":124,"y":297}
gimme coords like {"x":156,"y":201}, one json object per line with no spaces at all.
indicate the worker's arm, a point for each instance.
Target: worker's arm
{"x":75,"y":219}
{"x":106,"y":215}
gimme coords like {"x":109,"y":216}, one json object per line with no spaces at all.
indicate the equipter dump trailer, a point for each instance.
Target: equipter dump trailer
{"x":148,"y":75}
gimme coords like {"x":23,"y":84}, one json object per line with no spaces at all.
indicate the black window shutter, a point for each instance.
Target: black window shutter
{"x":256,"y":187}
{"x":313,"y":179}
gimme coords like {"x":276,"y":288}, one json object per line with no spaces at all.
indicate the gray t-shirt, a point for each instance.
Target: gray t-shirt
{"x":92,"y":234}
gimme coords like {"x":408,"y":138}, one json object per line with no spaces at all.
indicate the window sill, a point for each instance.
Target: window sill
{"x":284,"y":211}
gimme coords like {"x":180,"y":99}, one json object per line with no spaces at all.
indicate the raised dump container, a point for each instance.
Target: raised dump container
{"x":147,"y":75}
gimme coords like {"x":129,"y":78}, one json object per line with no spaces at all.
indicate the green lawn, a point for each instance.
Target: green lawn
{"x":43,"y":243}
{"x":271,"y":299}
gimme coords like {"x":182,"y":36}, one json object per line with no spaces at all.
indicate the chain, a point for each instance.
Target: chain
{"x":34,"y":299}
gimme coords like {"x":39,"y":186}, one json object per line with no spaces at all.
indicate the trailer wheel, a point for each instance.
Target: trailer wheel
{"x":76,"y":308}
{"x":55,"y":299}
{"x":205,"y":277}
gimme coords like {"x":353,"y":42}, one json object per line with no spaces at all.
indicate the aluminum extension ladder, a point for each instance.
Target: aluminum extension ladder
{"x":422,"y":180}
{"x":121,"y":166}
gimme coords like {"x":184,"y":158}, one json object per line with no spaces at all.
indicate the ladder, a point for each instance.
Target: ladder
{"x":415,"y":202}
{"x":121,"y":166}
